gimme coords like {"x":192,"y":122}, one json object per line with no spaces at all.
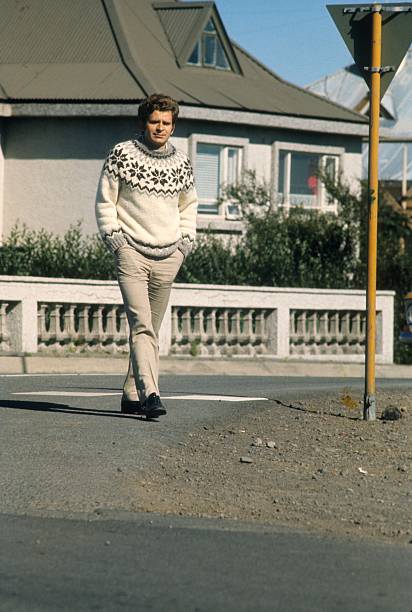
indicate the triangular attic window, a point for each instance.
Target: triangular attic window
{"x":209,"y":50}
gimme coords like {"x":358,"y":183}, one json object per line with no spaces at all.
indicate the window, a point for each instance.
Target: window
{"x":209,"y":50}
{"x":215,"y":165}
{"x":298,"y":183}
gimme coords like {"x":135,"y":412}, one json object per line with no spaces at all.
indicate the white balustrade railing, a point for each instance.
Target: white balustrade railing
{"x":327,"y":332}
{"x":220,"y":331}
{"x":63,"y":315}
{"x":82,"y":327}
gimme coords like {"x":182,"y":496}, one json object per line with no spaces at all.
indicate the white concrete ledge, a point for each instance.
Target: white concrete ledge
{"x":38,"y":364}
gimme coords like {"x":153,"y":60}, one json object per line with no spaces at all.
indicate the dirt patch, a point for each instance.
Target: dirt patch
{"x":314,"y":464}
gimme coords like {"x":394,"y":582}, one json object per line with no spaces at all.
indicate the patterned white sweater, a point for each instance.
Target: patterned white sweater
{"x":146,"y":198}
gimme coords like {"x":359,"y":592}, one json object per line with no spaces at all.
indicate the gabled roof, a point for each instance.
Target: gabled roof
{"x":123,"y":50}
{"x":348,"y":88}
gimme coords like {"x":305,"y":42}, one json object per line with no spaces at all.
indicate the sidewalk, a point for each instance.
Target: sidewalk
{"x":41,"y":364}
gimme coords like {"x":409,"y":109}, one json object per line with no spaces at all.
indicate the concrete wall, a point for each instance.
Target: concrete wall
{"x":280,"y":316}
{"x":52,"y":165}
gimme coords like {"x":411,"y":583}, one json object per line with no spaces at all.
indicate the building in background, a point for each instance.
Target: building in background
{"x":73,"y":72}
{"x":348,"y":88}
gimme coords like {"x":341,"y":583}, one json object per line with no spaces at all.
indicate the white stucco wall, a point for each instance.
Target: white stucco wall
{"x":181,"y":144}
{"x":51,"y":193}
{"x":352,"y":169}
{"x":259,"y":160}
{"x":52,"y":165}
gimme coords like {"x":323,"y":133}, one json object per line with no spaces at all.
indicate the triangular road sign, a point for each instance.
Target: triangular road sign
{"x":354,"y":22}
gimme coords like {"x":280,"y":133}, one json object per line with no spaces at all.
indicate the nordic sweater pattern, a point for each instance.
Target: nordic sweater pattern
{"x":147,"y":199}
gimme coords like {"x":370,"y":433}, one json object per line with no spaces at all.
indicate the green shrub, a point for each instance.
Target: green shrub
{"x":40,"y":253}
{"x":302,"y":249}
{"x":213,"y":261}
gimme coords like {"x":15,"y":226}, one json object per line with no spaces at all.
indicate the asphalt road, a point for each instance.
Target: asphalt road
{"x":62,"y":444}
{"x":180,"y":565}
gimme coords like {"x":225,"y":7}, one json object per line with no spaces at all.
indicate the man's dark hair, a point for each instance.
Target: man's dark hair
{"x":157,"y":102}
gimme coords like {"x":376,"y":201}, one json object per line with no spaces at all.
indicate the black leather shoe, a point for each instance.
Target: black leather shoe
{"x":130,"y":407}
{"x":153,"y":406}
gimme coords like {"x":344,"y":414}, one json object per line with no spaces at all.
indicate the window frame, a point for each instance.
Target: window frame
{"x":200,"y":43}
{"x":324,"y":151}
{"x":227,"y":143}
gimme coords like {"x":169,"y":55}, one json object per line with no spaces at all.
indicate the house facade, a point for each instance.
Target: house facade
{"x":73,"y":73}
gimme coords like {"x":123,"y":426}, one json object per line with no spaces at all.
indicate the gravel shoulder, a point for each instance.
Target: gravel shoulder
{"x":313,"y":464}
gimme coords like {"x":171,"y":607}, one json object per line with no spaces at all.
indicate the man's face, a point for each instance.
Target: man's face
{"x":159,"y":128}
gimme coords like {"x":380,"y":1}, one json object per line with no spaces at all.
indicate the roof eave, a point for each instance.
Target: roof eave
{"x":36,"y":108}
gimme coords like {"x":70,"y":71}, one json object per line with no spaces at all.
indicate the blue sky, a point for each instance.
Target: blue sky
{"x":297,"y":39}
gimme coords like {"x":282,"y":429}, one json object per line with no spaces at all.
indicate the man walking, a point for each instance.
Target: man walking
{"x":146,"y":207}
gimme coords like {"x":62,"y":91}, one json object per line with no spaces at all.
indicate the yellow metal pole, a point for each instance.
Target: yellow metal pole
{"x":369,"y":408}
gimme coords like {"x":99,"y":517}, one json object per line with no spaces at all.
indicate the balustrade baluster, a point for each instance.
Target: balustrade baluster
{"x":69,"y":327}
{"x":225,"y":323}
{"x":332,"y":325}
{"x":301,"y":333}
{"x":311,"y":333}
{"x":249,"y":337}
{"x":260,"y":333}
{"x":186,"y":330}
{"x":97,"y":334}
{"x":345,"y":331}
{"x":265,"y":335}
{"x":200,"y":335}
{"x":353,"y":335}
{"x":236,"y":332}
{"x":293,"y":339}
{"x":197,"y":324}
{"x":83,"y":336}
{"x":333,"y":331}
{"x":211,"y":331}
{"x":363,"y":329}
{"x":55,"y":331}
{"x":324,"y":336}
{"x":176,"y":334}
{"x":219,"y":334}
{"x":339,"y":333}
{"x":231,"y":330}
{"x":111,"y":332}
{"x":43,"y":335}
{"x":123,"y":330}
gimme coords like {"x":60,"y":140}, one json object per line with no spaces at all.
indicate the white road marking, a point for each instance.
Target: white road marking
{"x":56,"y":374}
{"x":67,"y":393}
{"x":195,"y":397}
{"x":216,"y":398}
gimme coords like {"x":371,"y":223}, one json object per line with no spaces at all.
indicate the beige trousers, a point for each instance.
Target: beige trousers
{"x":145,"y":284}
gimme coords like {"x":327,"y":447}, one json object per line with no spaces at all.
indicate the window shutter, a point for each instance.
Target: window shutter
{"x":207,"y":175}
